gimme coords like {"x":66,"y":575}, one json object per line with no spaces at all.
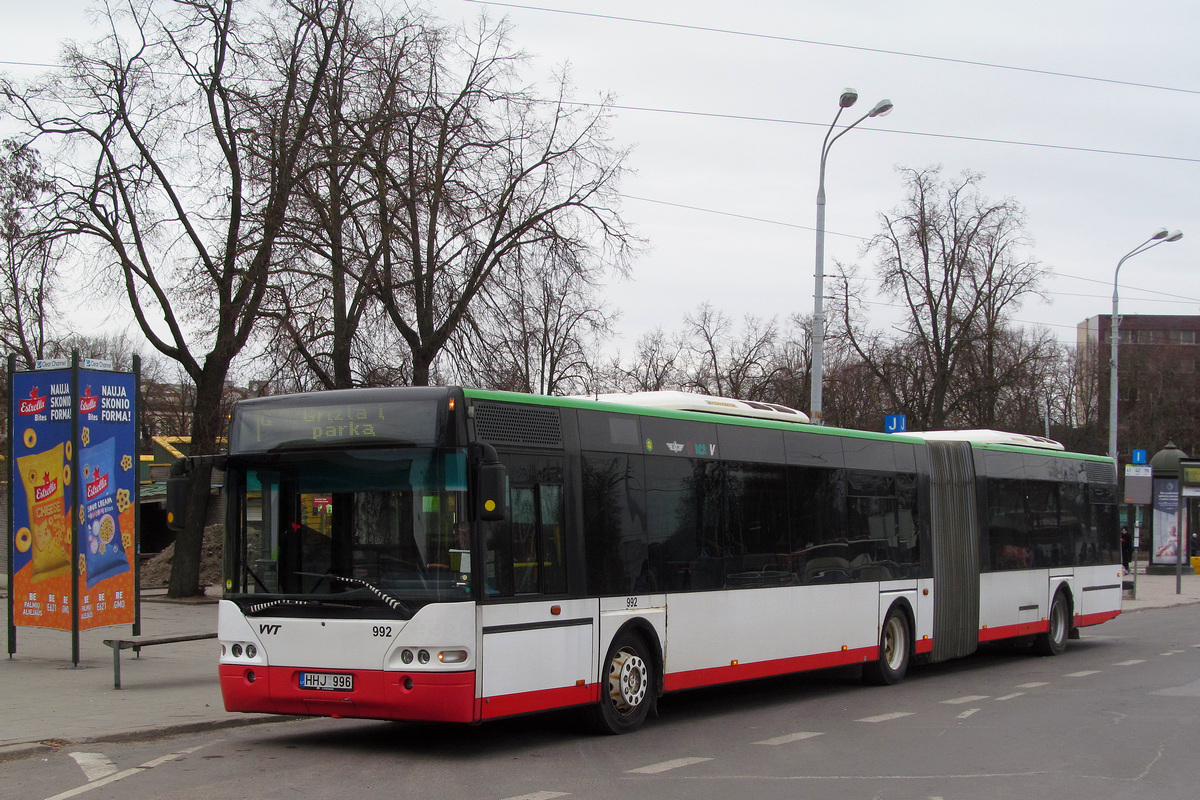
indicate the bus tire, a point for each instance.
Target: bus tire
{"x":1054,"y":640}
{"x":895,"y":649}
{"x":627,"y":687}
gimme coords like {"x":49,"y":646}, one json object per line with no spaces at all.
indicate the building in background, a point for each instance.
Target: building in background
{"x":1158,"y":385}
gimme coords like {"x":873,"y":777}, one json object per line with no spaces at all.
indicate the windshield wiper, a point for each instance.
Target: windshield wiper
{"x":259,"y":607}
{"x":390,"y":600}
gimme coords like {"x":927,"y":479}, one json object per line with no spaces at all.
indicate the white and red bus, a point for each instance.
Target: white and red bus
{"x":461,"y":555}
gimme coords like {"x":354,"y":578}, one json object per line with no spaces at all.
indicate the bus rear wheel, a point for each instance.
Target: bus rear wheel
{"x":895,"y":647}
{"x":627,"y":690}
{"x":1054,"y":640}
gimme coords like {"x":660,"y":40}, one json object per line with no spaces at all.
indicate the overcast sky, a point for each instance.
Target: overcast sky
{"x":1086,"y":113}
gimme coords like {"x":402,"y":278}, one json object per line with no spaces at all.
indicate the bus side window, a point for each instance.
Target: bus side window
{"x":526,"y":554}
{"x":522,"y":528}
{"x":554,"y":574}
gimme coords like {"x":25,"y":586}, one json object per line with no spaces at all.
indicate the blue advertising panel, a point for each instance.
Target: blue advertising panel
{"x":40,"y":475}
{"x":106,"y":497}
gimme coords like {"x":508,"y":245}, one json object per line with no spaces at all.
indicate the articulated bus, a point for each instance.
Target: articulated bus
{"x":451,"y":554}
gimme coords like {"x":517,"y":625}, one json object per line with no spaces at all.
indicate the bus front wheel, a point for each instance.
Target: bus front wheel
{"x":627,"y":688}
{"x":895,"y":646}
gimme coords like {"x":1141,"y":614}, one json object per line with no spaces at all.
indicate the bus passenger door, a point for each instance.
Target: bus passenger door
{"x":536,"y":644}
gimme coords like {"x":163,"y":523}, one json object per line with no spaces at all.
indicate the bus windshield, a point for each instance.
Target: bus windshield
{"x":357,"y":529}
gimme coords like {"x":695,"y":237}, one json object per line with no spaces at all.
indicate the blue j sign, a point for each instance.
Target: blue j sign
{"x":895,"y":423}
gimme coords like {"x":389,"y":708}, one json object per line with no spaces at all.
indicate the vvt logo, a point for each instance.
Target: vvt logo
{"x":269,"y":629}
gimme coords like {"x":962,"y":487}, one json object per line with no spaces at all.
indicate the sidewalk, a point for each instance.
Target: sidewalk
{"x":173,"y":688}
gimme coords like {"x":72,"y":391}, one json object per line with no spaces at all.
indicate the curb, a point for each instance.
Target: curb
{"x":15,"y":752}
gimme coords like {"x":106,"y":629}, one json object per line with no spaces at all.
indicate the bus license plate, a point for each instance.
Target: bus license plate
{"x":331,"y":681}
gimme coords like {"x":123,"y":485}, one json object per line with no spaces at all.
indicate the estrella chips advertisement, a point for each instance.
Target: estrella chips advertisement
{"x":58,"y":481}
{"x":105,"y":498}
{"x":42,"y":499}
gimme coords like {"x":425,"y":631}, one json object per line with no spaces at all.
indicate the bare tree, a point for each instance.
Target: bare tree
{"x":789,"y":380}
{"x":323,"y":317}
{"x":954,"y":261}
{"x":1075,"y":399}
{"x":29,"y":257}
{"x":655,"y":366}
{"x":536,"y":328}
{"x":725,"y":362}
{"x":475,"y":173}
{"x":177,"y":153}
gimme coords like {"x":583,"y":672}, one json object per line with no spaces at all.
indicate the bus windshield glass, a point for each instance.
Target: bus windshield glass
{"x":363,"y":530}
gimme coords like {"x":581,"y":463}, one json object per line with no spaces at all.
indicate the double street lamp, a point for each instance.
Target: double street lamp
{"x":848,"y":98}
{"x":1158,"y":238}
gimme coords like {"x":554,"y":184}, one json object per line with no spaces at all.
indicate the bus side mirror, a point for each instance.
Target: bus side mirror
{"x":491,"y":496}
{"x":177,"y":495}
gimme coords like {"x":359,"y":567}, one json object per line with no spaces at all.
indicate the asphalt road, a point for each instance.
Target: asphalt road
{"x":1116,"y":716}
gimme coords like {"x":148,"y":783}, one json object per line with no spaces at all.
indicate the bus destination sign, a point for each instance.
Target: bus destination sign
{"x":262,"y":427}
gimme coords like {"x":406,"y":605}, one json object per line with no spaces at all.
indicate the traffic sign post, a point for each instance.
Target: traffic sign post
{"x":1139,"y":491}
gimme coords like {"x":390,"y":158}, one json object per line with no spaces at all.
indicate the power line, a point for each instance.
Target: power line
{"x":1175,"y":297}
{"x":875,"y":129}
{"x":738,"y":216}
{"x":838,"y":45}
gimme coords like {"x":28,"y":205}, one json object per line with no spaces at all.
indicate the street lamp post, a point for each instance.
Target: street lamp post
{"x":848,"y":98}
{"x":1158,"y":238}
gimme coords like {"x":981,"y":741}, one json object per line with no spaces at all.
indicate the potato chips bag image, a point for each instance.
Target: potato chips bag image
{"x":104,"y":551}
{"x":45,"y":478}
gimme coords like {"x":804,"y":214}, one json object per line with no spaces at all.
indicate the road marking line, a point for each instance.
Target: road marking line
{"x":117,"y":776}
{"x":1009,"y":696}
{"x":1034,"y":685}
{"x":94,"y":765}
{"x":791,"y":737}
{"x":1130,"y":662}
{"x":539,"y":796}
{"x":663,"y":766}
{"x":887,"y":717}
{"x":1082,"y":674}
{"x":970,"y":698}
{"x":968,"y":713}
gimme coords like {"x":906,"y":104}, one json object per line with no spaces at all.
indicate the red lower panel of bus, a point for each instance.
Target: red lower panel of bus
{"x":1084,"y":620}
{"x":1013,"y":631}
{"x":527,"y":702}
{"x":764,"y":669}
{"x":416,"y":696}
{"x":1041,"y":626}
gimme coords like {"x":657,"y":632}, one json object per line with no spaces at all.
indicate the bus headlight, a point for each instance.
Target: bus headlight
{"x":452,"y":656}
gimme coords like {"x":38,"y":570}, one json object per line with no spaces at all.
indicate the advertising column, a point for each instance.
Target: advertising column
{"x":72,"y":499}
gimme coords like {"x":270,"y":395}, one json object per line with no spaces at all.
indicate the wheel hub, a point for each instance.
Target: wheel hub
{"x":627,"y":681}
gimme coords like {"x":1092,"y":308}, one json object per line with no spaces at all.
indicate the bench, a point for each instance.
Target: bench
{"x":136,"y":643}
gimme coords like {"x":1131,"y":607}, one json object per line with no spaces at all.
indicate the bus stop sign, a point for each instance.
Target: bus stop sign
{"x":1139,"y":484}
